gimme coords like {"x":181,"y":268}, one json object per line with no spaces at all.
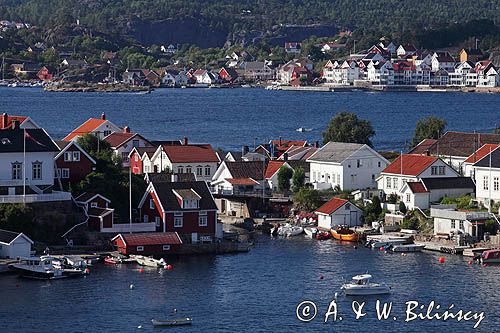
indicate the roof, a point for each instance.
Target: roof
{"x":417,"y":187}
{"x":87,"y":196}
{"x":409,"y":164}
{"x":461,"y":144}
{"x":255,"y":65}
{"x":423,"y":146}
{"x":481,"y":152}
{"x":331,"y":206}
{"x":189,"y":194}
{"x":486,"y":161}
{"x":8,"y":236}
{"x":282,"y":145}
{"x":87,"y":127}
{"x":191,"y":153}
{"x":335,"y":152}
{"x":145,"y":150}
{"x":298,"y":153}
{"x":36,"y":140}
{"x":448,"y":182}
{"x":94,"y":211}
{"x":244,"y":169}
{"x":153,"y":238}
{"x":242,"y":181}
{"x":117,"y":139}
{"x":170,"y":202}
{"x":64,"y":145}
{"x":272,"y":168}
{"x":10,"y":119}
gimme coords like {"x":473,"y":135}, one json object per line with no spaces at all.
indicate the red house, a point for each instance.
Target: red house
{"x":44,"y":74}
{"x":187,"y":208}
{"x":228,"y":74}
{"x":140,"y":159}
{"x":155,"y":243}
{"x":73,"y":164}
{"x":101,"y":217}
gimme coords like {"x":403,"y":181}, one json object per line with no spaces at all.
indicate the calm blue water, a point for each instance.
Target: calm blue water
{"x":252,"y":292}
{"x":230,"y":118}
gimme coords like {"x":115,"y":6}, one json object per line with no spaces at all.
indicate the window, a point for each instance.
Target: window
{"x":495,"y":184}
{"x":348,"y":206}
{"x":166,"y":247}
{"x":125,"y":157}
{"x":146,"y":218}
{"x":140,"y":249}
{"x":178,"y":214}
{"x":76,"y":156}
{"x":453,"y":224}
{"x":135,"y":143}
{"x":461,"y":225}
{"x":17,"y":170}
{"x":177,"y":222}
{"x":485,"y":183}
{"x":388,"y":182}
{"x":359,"y":164}
{"x":65,"y":173}
{"x":203,"y":212}
{"x":136,"y":157}
{"x":188,"y":169}
{"x":441,"y":170}
{"x":379,"y":164}
{"x":395,"y":183}
{"x":37,"y":170}
{"x":180,"y":170}
{"x":58,"y":173}
{"x":199,"y":171}
{"x":434,"y":170}
{"x":338,"y":178}
{"x":408,"y":197}
{"x":68,"y":156}
{"x":207,"y":171}
{"x":107,"y":132}
{"x":158,"y":221}
{"x":93,"y":204}
{"x":202,"y":221}
{"x":152,"y":204}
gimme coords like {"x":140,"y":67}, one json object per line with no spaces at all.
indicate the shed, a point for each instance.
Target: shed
{"x":154,"y":243}
{"x":14,"y":244}
{"x":339,"y":212}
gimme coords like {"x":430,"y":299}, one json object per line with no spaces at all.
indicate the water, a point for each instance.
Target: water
{"x":230,"y":118}
{"x":252,"y":292}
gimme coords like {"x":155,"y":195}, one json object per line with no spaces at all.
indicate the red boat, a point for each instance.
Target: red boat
{"x":322,"y":235}
{"x":111,"y":260}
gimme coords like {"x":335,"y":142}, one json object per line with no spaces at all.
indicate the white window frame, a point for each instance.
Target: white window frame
{"x":496,"y":184}
{"x":486,"y":183}
{"x":145,"y":218}
{"x":166,"y":247}
{"x":178,"y":221}
{"x":93,"y":204}
{"x":68,"y":156}
{"x":152,"y":204}
{"x":207,"y":170}
{"x":388,"y":182}
{"x":65,"y":173}
{"x":76,"y":156}
{"x":180,"y":169}
{"x":453,"y":224}
{"x":17,"y":171}
{"x":36,"y":173}
{"x":199,"y":170}
{"x":158,"y":221}
{"x":408,"y":197}
{"x":203,"y":221}
{"x":139,"y":248}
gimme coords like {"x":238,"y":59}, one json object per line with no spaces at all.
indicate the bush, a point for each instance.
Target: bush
{"x":402,"y":207}
{"x":392,"y":198}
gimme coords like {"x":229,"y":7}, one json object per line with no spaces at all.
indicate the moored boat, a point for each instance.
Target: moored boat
{"x":383,"y":243}
{"x":407,"y":248}
{"x":361,"y":286}
{"x":345,"y":234}
{"x":172,"y":322}
{"x":46,"y":268}
{"x":150,"y":261}
{"x":310,"y":232}
{"x":491,"y":256}
{"x":111,"y":260}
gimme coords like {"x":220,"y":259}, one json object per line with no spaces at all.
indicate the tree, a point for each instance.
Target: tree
{"x":298,"y":179}
{"x":373,"y":210}
{"x":92,"y":144}
{"x":307,"y":199}
{"x":428,"y":128}
{"x":402,"y":207}
{"x":346,"y":127}
{"x":284,"y":176}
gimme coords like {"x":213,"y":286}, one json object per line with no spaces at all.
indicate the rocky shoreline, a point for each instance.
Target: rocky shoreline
{"x":106,"y":88}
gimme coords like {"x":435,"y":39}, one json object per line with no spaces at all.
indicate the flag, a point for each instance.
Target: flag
{"x":29,"y":137}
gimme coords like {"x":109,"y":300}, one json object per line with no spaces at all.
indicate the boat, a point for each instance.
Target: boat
{"x":172,"y":322}
{"x":310,"y":232}
{"x":123,"y":259}
{"x":302,"y":129}
{"x":407,"y":247}
{"x":361,"y":286}
{"x":46,"y":268}
{"x":288,"y":230}
{"x":322,"y":235}
{"x":345,"y":234}
{"x":491,"y":256}
{"x":150,"y":261}
{"x":111,"y":260}
{"x":383,"y":243}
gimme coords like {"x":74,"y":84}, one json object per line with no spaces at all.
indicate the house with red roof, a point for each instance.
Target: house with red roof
{"x":7,"y":120}
{"x":140,"y":159}
{"x":187,"y":208}
{"x":122,"y":143}
{"x":100,"y":127}
{"x":443,"y":60}
{"x":73,"y":164}
{"x":241,"y":178}
{"x":278,"y":147}
{"x":468,"y":164}
{"x":147,"y":244}
{"x":339,"y":212}
{"x":198,"y":159}
{"x":412,"y":168}
{"x":271,"y":175}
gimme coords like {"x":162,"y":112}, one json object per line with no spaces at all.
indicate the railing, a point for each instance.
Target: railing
{"x":253,"y":193}
{"x":12,"y":182}
{"x":30,"y":198}
{"x":134,"y":227}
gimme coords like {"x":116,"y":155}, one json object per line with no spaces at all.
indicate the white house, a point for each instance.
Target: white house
{"x":174,"y":78}
{"x":122,"y":143}
{"x":406,"y":51}
{"x":339,"y":212}
{"x":412,"y":168}
{"x":487,"y":176}
{"x":442,"y":60}
{"x":380,"y":73}
{"x":14,"y":245}
{"x":468,"y":164}
{"x":347,"y":165}
{"x":487,"y":74}
{"x":240,"y":178}
{"x":450,"y":220}
{"x":100,"y":127}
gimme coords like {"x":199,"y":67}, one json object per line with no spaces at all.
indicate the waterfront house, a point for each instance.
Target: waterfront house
{"x":147,"y":244}
{"x":74,"y":63}
{"x":134,"y":77}
{"x":151,"y":78}
{"x":428,"y":190}
{"x":228,"y":74}
{"x":25,"y":70}
{"x":405,"y":51}
{"x":187,"y":208}
{"x":442,"y":60}
{"x":7,"y":121}
{"x":278,"y":146}
{"x":14,"y":245}
{"x":256,"y":71}
{"x":412,"y":168}
{"x":339,"y":212}
{"x":292,"y":47}
{"x":272,"y":170}
{"x":487,"y":74}
{"x":449,"y":220}
{"x":100,"y":215}
{"x":27,"y":166}
{"x":473,"y":55}
{"x":140,"y":159}
{"x":454,"y":147}
{"x":380,"y":50}
{"x":487,"y":176}
{"x":380,"y":73}
{"x":174,"y":78}
{"x":296,"y":69}
{"x":464,"y":75}
{"x":122,"y":143}
{"x":72,"y":164}
{"x":346,"y":165}
{"x":199,"y":159}
{"x":45,"y":74}
{"x":342,"y":74}
{"x":243,"y":178}
{"x":100,"y":127}
{"x":468,"y":164}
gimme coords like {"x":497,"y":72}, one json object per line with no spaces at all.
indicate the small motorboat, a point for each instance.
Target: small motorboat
{"x":302,"y":129}
{"x":361,"y":286}
{"x":310,"y":232}
{"x":389,"y":242}
{"x":172,"y":322}
{"x":345,"y":234}
{"x":322,"y":235}
{"x":46,"y":268}
{"x":288,"y":230}
{"x":490,"y":257}
{"x":111,"y":260}
{"x":150,"y":261}
{"x":123,"y":259}
{"x":407,"y":248}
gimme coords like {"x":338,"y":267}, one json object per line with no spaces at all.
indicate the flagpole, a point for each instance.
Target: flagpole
{"x":24,"y":166}
{"x":130,"y":195}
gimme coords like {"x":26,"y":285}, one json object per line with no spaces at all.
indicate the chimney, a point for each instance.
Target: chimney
{"x":280,"y":140}
{"x":126,"y":129}
{"x":185,"y":141}
{"x":244,"y":150}
{"x":5,"y":120}
{"x":316,"y":144}
{"x":285,"y":157}
{"x":103,"y":116}
{"x":15,"y":124}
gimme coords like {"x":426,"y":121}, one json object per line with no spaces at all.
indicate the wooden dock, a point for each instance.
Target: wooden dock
{"x":444,"y":248}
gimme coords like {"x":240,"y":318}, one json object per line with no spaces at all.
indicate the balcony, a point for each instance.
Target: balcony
{"x":31,"y":198}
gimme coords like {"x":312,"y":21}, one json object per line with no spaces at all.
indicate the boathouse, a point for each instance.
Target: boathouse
{"x":154,"y":243}
{"x":14,"y":244}
{"x":339,"y":212}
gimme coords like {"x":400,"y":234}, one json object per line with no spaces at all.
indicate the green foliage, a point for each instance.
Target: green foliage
{"x":402,"y":207}
{"x":346,"y":127}
{"x":428,"y":128}
{"x":491,"y":226}
{"x":307,"y":199}
{"x":462,"y":202}
{"x":92,"y":144}
{"x":373,"y":210}
{"x":298,"y":179}
{"x":17,"y":217}
{"x":411,"y":223}
{"x":284,"y":176}
{"x":392,"y":198}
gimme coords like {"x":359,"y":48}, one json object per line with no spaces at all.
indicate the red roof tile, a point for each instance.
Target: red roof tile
{"x":10,"y":119}
{"x":87,"y":127}
{"x":413,"y":165}
{"x":423,"y":146}
{"x":273,"y":167}
{"x":154,"y":238}
{"x":190,"y":153}
{"x":481,"y":152}
{"x":242,"y":181}
{"x":332,"y":205}
{"x":417,"y":187}
{"x":116,"y":139}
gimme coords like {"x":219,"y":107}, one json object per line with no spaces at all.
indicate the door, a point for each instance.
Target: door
{"x":194,"y":237}
{"x":354,"y":219}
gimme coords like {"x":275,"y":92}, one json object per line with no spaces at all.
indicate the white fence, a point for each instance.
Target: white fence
{"x":30,"y":198}
{"x":134,"y":227}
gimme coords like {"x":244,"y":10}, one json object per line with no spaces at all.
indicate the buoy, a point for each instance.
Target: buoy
{"x":131,"y":286}
{"x":87,"y":270}
{"x":140,"y":326}
{"x":141,"y":270}
{"x":355,"y":247}
{"x":470,"y":262}
{"x":441,"y":260}
{"x":335,"y":296}
{"x":169,"y":267}
{"x":321,"y":277}
{"x":381,"y":248}
{"x":175,"y":310}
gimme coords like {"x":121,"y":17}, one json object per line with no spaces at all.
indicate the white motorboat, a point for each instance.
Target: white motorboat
{"x":361,"y":286}
{"x":310,"y":232}
{"x":288,"y":230}
{"x":46,"y":268}
{"x":383,"y":243}
{"x":407,"y":248}
{"x":150,"y":261}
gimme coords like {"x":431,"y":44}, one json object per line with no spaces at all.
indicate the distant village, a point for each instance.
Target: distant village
{"x":452,"y":182}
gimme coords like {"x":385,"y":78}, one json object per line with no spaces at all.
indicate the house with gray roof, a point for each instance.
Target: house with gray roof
{"x":349,"y":166}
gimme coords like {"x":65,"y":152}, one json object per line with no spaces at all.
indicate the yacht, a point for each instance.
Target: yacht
{"x":46,"y":268}
{"x":361,"y":286}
